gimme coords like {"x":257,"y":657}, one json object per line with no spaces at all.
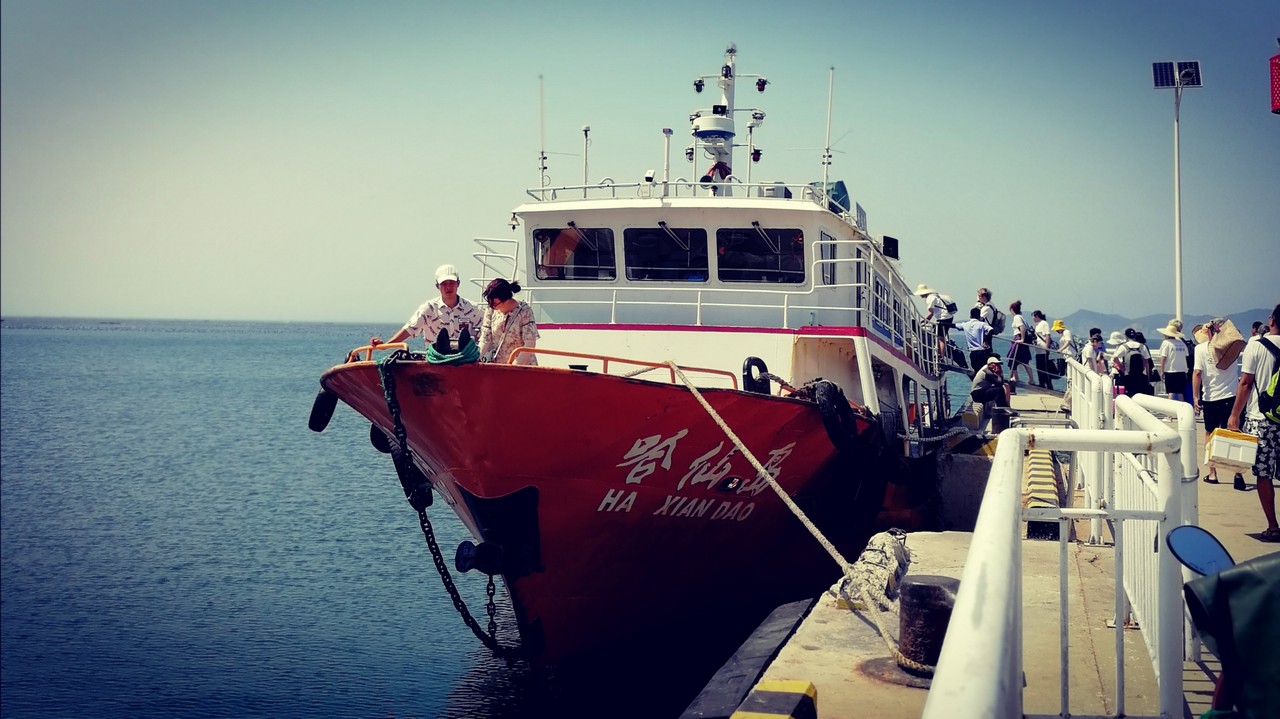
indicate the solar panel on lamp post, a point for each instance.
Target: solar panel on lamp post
{"x":1176,"y":75}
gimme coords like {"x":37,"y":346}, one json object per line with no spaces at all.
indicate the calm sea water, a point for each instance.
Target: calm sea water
{"x":174,"y":541}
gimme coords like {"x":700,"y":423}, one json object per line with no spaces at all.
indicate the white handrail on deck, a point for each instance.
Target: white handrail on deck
{"x":979,"y":672}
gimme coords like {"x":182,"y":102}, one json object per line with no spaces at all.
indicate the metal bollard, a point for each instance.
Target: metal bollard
{"x":924,"y":609}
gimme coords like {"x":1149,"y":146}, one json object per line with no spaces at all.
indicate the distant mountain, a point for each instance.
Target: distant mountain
{"x":1079,"y":322}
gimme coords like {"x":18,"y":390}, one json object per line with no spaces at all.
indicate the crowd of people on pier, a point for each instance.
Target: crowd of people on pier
{"x":1228,"y":378}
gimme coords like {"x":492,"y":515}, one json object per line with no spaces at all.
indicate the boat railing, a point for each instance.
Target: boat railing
{"x":732,"y":186}
{"x":606,"y":360}
{"x":498,"y":257}
{"x":368,"y":350}
{"x":1147,"y":475}
{"x":891,"y":312}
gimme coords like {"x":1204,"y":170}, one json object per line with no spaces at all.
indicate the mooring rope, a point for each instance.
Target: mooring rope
{"x":866,"y":584}
{"x":859,"y":584}
{"x":763,"y":473}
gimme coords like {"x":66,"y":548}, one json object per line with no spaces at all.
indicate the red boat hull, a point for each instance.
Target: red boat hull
{"x":622,"y":506}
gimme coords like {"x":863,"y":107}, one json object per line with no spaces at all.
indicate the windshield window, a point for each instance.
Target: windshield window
{"x":756,"y":254}
{"x":575,"y":253}
{"x":665,"y":253}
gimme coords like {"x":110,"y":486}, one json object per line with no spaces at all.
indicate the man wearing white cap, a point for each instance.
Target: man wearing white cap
{"x":989,"y":384}
{"x":446,"y":316}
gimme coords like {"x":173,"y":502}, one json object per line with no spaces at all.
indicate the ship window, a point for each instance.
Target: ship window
{"x":574,"y":253}
{"x":756,"y":254}
{"x":665,"y":253}
{"x":827,"y":250}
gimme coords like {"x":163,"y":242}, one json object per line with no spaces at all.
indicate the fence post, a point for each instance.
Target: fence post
{"x":1169,"y":615}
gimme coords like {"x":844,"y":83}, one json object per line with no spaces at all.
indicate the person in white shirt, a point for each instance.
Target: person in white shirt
{"x":1173,"y":360}
{"x":1213,"y":391}
{"x":1020,"y":350}
{"x":1066,"y":346}
{"x":1093,"y":356}
{"x":986,"y":311}
{"x":1043,"y":375}
{"x":449,"y":316}
{"x":936,"y":311}
{"x":1258,"y":365}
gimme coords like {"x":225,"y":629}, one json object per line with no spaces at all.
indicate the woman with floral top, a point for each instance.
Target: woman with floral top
{"x":508,"y":324}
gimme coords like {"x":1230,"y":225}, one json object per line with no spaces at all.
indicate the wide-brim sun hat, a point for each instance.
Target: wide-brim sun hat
{"x":1116,"y":339}
{"x":1173,"y":329}
{"x":1059,"y":325}
{"x":924,"y":290}
{"x":446,"y":272}
{"x":1200,"y":334}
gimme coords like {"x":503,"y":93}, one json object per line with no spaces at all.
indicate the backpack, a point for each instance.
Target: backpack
{"x":1269,"y":391}
{"x":997,"y":324}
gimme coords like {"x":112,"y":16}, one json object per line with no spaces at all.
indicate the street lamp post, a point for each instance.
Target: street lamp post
{"x":1177,"y":75}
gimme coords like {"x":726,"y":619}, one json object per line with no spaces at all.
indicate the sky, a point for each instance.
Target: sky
{"x":315,"y":161}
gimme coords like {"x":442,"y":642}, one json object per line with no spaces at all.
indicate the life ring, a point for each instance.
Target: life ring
{"x":322,"y":410}
{"x":755,"y":381}
{"x":837,"y":415}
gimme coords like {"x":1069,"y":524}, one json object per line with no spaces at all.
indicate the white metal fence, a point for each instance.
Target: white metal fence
{"x":1135,"y":469}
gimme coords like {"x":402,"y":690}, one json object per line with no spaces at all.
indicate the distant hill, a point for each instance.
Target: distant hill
{"x":1079,"y":322}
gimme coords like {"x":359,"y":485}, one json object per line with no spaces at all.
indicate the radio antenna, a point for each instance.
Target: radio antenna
{"x":826,"y":150}
{"x":542,"y":139}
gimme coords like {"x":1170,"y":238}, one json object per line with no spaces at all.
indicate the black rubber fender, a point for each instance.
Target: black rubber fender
{"x":322,"y":410}
{"x":755,"y":381}
{"x":837,"y":414}
{"x":379,"y":439}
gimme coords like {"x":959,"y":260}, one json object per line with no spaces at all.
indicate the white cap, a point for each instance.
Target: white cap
{"x":446,"y":272}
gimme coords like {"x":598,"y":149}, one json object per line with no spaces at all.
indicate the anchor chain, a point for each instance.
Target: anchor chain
{"x":419,"y":498}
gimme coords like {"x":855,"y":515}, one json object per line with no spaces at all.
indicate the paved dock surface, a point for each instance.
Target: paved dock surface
{"x":844,"y":656}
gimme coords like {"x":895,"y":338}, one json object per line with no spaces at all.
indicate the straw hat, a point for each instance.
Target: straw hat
{"x":1059,"y":325}
{"x":1173,"y":329}
{"x":925,"y":290}
{"x":1116,"y":339}
{"x":1227,"y":343}
{"x":1200,"y":334}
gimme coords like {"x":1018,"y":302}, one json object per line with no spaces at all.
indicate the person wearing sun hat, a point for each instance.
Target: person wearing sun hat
{"x":1173,"y":360}
{"x":1213,"y":390}
{"x":1066,"y":346}
{"x":940,"y":310}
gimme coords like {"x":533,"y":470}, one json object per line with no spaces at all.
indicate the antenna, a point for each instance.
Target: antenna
{"x":542,"y":139}
{"x":826,"y":152}
{"x":586,"y":142}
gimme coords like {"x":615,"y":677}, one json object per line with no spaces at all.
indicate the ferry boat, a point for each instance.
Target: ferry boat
{"x":708,"y":345}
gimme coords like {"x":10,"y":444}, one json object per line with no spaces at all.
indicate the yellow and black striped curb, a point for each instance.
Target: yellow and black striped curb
{"x":1041,"y":483}
{"x":774,"y":698}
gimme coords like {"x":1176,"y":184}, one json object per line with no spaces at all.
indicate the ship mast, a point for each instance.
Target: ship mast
{"x":713,"y":129}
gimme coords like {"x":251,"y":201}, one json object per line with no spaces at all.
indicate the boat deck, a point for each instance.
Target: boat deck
{"x":844,"y":657}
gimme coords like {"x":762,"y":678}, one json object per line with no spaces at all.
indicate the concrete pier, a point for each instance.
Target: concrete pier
{"x":847,"y":661}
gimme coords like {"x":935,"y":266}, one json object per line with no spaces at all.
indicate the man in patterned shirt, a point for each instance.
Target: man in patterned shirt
{"x":449,"y":314}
